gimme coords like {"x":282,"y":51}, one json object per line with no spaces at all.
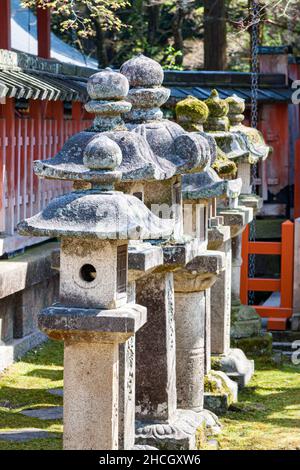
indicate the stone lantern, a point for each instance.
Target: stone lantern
{"x":220,"y":239}
{"x":254,"y":142}
{"x":165,"y":417}
{"x":246,"y":323}
{"x":95,"y":315}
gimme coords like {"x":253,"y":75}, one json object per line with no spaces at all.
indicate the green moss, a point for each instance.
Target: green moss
{"x":215,"y":363}
{"x":25,"y":385}
{"x":214,"y":383}
{"x":190,"y":112}
{"x":267,"y":416}
{"x":201,"y":437}
{"x":223,"y":165}
{"x":210,"y":386}
{"x":217,"y":107}
{"x":255,"y":345}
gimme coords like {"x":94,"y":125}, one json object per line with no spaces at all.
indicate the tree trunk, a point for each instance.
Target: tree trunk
{"x":177,"y":33}
{"x":101,"y":46}
{"x":214,"y":35}
{"x":153,"y":23}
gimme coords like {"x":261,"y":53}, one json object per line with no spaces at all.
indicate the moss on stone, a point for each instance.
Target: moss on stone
{"x":214,"y":383}
{"x":236,"y":105}
{"x":217,"y":107}
{"x":224,"y":166}
{"x":215,"y":363}
{"x":201,"y":437}
{"x":255,"y":345}
{"x":191,"y":112}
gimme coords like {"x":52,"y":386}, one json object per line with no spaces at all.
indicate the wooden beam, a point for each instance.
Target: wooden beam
{"x":5,"y":28}
{"x":43,"y":32}
{"x":264,"y":285}
{"x":245,"y":266}
{"x":265,"y":248}
{"x":297,"y":180}
{"x":273,"y":312}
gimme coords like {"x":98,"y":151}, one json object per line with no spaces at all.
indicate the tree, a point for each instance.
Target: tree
{"x":88,"y":18}
{"x":215,"y":40}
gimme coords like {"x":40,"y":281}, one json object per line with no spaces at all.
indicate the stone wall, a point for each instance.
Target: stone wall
{"x":27,"y":285}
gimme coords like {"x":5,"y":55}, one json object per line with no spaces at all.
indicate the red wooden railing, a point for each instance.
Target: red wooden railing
{"x":23,"y":140}
{"x":277,"y":315}
{"x":297,"y":180}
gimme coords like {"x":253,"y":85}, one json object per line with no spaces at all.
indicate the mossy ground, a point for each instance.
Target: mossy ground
{"x":25,"y":385}
{"x":266,"y":417}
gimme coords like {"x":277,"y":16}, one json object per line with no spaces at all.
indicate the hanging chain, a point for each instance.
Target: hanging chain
{"x":254,"y":119}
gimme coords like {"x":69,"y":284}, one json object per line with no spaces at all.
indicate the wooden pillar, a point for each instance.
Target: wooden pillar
{"x":43,"y":32}
{"x":245,"y":267}
{"x":77,"y":112}
{"x":9,"y":110}
{"x":287,"y":265}
{"x":5,"y":28}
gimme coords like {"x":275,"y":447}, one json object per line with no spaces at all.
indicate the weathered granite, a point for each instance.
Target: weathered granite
{"x":207,"y":185}
{"x":190,"y":285}
{"x":236,"y":365}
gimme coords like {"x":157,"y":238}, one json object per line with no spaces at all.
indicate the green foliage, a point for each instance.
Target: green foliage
{"x":80,"y":15}
{"x":169,"y":31}
{"x":170,"y":61}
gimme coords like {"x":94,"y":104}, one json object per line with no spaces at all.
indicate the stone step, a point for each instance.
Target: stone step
{"x":26,"y":434}
{"x":282,"y":346}
{"x":285,"y":336}
{"x":56,"y":391}
{"x":49,"y":413}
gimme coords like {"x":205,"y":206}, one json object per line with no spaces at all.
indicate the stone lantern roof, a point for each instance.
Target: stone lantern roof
{"x":140,"y":161}
{"x":101,"y":212}
{"x":253,"y":138}
{"x":189,"y":152}
{"x":208,"y":185}
{"x":107,"y":90}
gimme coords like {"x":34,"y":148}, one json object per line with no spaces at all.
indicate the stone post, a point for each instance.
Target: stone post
{"x":193,"y":327}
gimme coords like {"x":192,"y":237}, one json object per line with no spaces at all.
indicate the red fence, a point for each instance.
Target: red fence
{"x":277,"y":315}
{"x":23,"y":140}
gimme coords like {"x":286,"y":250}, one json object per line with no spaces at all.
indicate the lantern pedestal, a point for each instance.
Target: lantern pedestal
{"x":91,"y":370}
